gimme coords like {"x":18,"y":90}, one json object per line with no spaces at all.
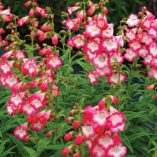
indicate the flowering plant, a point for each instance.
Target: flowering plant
{"x":52,"y":81}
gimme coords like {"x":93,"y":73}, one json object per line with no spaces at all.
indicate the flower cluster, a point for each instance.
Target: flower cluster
{"x":141,"y":33}
{"x":30,"y":78}
{"x":5,"y":17}
{"x":101,"y":125}
{"x":96,"y":39}
{"x":99,"y":130}
{"x":28,"y":69}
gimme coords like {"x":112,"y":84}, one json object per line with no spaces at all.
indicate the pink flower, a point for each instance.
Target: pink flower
{"x":72,"y":9}
{"x":6,"y":15}
{"x":76,"y":124}
{"x":135,"y":45}
{"x":130,"y":55}
{"x":110,"y":45}
{"x":93,"y":46}
{"x":21,"y":132}
{"x":66,"y":151}
{"x":28,"y":109}
{"x":36,"y":100}
{"x":150,"y":87}
{"x":2,"y":31}
{"x":78,"y":41}
{"x":146,"y":39}
{"x":68,"y":137}
{"x":102,"y":22}
{"x":72,"y":24}
{"x":48,"y":134}
{"x":46,"y":27}
{"x":6,"y":55}
{"x":153,"y":73}
{"x":31,"y":13}
{"x":88,"y":131}
{"x":55,"y":91}
{"x":116,"y":78}
{"x":6,"y":67}
{"x":100,"y":61}
{"x":27,"y":4}
{"x":116,"y":122}
{"x":143,"y":52}
{"x":41,"y":12}
{"x":132,"y":20}
{"x":30,"y":67}
{"x":38,"y":121}
{"x":92,"y":30}
{"x":11,"y":109}
{"x":97,"y":151}
{"x":146,"y":23}
{"x":42,"y":36}
{"x":22,"y":21}
{"x":100,"y":128}
{"x":106,"y":141}
{"x":108,"y":33}
{"x":153,"y":49}
{"x":20,"y":54}
{"x":148,"y":59}
{"x":81,"y":15}
{"x":153,"y":62}
{"x":38,"y":126}
{"x":54,"y":62}
{"x":130,"y":34}
{"x":43,"y":85}
{"x":91,"y":10}
{"x":79,"y":140}
{"x":17,"y":99}
{"x":116,"y":58}
{"x":92,"y":77}
{"x":117,"y":151}
{"x":10,"y":80}
{"x":76,"y":155}
{"x":45,"y":51}
{"x":114,"y":99}
{"x":107,"y":70}
{"x":99,"y":117}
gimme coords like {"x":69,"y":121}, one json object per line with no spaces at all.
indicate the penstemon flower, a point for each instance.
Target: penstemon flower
{"x":21,"y":71}
{"x":38,"y":69}
{"x":96,"y":40}
{"x":100,"y":126}
{"x":140,"y":34}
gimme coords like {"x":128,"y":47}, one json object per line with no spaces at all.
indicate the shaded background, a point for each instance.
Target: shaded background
{"x":118,"y":9}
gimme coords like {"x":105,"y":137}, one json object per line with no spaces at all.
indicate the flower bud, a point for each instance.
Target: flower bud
{"x":79,"y":140}
{"x":150,"y":87}
{"x":75,"y":124}
{"x":105,"y":11}
{"x":55,"y":40}
{"x":31,"y":13}
{"x":68,"y":137}
{"x":66,"y":151}
{"x":48,"y":134}
{"x":69,"y":119}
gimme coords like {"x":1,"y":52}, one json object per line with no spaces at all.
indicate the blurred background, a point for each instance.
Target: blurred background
{"x":118,"y":9}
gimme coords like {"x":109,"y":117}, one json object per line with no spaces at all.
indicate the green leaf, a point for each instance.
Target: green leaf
{"x":19,"y":145}
{"x":31,"y":152}
{"x":127,"y":143}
